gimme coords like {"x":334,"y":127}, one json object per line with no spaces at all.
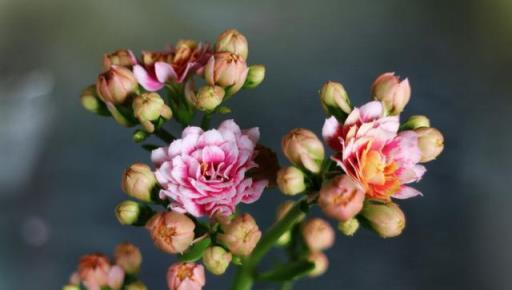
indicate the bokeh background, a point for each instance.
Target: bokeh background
{"x":60,"y":166}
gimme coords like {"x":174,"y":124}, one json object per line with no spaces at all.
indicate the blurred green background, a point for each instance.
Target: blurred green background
{"x":60,"y":166}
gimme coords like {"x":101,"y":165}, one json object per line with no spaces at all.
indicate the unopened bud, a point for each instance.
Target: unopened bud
{"x":321,"y":263}
{"x":216,"y":260}
{"x":133,"y":213}
{"x":115,"y":85}
{"x":227,"y":70}
{"x":172,"y":232}
{"x":140,"y":135}
{"x":232,"y":41}
{"x":415,"y":122}
{"x":303,"y":148}
{"x":393,"y":93}
{"x":335,"y":100}
{"x":92,"y":103}
{"x":137,"y":285}
{"x":208,"y":98}
{"x":291,"y":180}
{"x":148,"y":108}
{"x":120,"y":57}
{"x":341,"y":198}
{"x":255,"y":76}
{"x":318,"y":234}
{"x":139,"y":182}
{"x":71,"y":287}
{"x":240,"y":235}
{"x":430,"y":142}
{"x":128,"y":256}
{"x":386,"y":219}
{"x":349,"y":228}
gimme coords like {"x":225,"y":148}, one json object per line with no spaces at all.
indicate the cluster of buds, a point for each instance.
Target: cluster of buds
{"x":96,"y":271}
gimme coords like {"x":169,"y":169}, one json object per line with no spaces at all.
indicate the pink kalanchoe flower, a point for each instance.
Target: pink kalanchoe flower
{"x":372,"y":152}
{"x":204,"y":173}
{"x":185,"y":276}
{"x":175,"y":64}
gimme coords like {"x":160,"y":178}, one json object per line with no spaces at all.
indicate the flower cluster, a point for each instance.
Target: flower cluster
{"x":96,"y":271}
{"x":188,"y":199}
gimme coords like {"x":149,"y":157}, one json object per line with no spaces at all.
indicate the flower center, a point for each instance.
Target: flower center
{"x":184,"y":272}
{"x":210,"y":172}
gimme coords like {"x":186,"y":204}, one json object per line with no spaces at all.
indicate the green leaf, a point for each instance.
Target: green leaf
{"x":288,"y":271}
{"x":195,"y":252}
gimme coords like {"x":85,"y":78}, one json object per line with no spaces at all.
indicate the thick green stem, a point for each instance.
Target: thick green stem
{"x":205,"y":122}
{"x":245,"y":275}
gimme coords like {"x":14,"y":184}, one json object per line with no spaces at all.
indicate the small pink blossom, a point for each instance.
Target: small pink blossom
{"x":185,"y":276}
{"x":174,"y":64}
{"x":372,"y":152}
{"x":204,"y":172}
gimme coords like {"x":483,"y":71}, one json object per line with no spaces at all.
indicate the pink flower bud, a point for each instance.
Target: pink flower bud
{"x":116,"y":277}
{"x":216,"y":259}
{"x":386,"y":219}
{"x":240,"y":235}
{"x":171,"y":231}
{"x":227,"y":70}
{"x":291,"y":180}
{"x":430,"y":142}
{"x":93,"y":270}
{"x":303,"y":148}
{"x":121,"y":57}
{"x":185,"y":276}
{"x":318,"y":234}
{"x":148,"y":108}
{"x":128,"y":256}
{"x":232,"y":41}
{"x":341,"y":198}
{"x":335,"y":100}
{"x":116,"y":84}
{"x":393,"y":93}
{"x":139,"y":181}
{"x":321,"y":263}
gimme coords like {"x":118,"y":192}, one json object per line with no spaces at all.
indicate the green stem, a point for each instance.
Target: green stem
{"x":205,"y":122}
{"x":244,"y":278}
{"x":288,"y":285}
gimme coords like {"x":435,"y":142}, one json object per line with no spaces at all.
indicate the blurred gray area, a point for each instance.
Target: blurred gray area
{"x":60,"y":166}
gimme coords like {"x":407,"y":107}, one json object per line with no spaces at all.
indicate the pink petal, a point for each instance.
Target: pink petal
{"x":371,"y":111}
{"x":230,"y":126}
{"x":331,"y":133}
{"x":212,"y":154}
{"x":159,"y":155}
{"x":253,"y":134}
{"x":406,"y":192}
{"x":116,"y":277}
{"x":253,"y":193}
{"x":164,"y":71}
{"x":147,"y":81}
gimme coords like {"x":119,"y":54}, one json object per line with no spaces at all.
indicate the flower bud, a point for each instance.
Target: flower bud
{"x":393,"y":93}
{"x":341,"y":198}
{"x":335,"y":100}
{"x":133,"y":213}
{"x":415,"y":122}
{"x":321,"y":263}
{"x":137,"y":285}
{"x":318,"y":234}
{"x":430,"y":142}
{"x":209,"y":97}
{"x":232,"y":41}
{"x":139,"y":182}
{"x":90,"y":101}
{"x":172,"y":232}
{"x":148,"y":108}
{"x":115,"y":85}
{"x":71,"y":287}
{"x":386,"y":219}
{"x":140,"y":135}
{"x":185,"y":276}
{"x":227,"y":70}
{"x":255,"y":76}
{"x":116,"y":278}
{"x":303,"y":148}
{"x":120,"y":57}
{"x":349,"y":227}
{"x":94,"y":270}
{"x":240,"y":235}
{"x":128,"y":256}
{"x":290,"y":180}
{"x":216,"y":260}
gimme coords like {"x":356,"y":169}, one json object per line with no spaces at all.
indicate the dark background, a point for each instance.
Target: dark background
{"x":60,"y":166}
